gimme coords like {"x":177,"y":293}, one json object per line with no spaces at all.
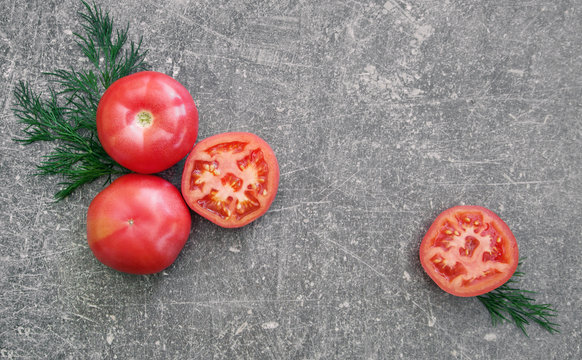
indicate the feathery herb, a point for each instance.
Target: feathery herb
{"x":68,"y":116}
{"x":507,"y":303}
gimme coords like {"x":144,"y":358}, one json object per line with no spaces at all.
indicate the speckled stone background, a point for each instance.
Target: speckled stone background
{"x":382,"y":115}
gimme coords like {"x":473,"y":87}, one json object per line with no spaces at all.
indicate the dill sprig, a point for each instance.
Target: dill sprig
{"x":508,"y":303}
{"x":67,"y":116}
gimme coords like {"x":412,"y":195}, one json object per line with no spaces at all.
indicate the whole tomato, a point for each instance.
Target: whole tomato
{"x":138,"y":224}
{"x":147,"y":122}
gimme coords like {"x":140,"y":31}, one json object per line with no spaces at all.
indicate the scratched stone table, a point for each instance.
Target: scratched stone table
{"x":382,"y":115}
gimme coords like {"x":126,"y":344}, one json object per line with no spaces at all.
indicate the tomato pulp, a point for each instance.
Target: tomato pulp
{"x":231,"y":179}
{"x":138,"y":224}
{"x":469,"y":251}
{"x":147,"y":122}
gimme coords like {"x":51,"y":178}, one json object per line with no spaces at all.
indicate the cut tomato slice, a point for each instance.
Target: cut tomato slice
{"x":231,"y":179}
{"x":469,"y":251}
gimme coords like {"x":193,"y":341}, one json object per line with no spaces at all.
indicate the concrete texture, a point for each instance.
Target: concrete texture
{"x":382,"y":114}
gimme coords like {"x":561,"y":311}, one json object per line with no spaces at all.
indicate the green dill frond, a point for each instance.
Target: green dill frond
{"x":78,"y":155}
{"x":105,"y":48}
{"x":511,"y":304}
{"x":67,"y":116}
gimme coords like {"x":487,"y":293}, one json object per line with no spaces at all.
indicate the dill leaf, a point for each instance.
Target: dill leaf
{"x":67,"y":116}
{"x":508,"y":303}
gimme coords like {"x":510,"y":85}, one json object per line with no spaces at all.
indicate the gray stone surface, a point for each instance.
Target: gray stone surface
{"x":382,"y":114}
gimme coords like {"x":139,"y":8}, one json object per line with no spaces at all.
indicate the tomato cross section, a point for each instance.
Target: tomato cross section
{"x":231,"y":179}
{"x":468,"y":251}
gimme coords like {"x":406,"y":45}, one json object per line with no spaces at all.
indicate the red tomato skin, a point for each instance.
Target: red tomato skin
{"x":142,"y":148}
{"x":138,"y":224}
{"x":509,"y":242}
{"x":273,"y":177}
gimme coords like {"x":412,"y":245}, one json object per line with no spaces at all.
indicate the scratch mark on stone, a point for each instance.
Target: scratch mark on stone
{"x":517,"y":72}
{"x":509,"y":179}
{"x":535,"y":182}
{"x":297,"y":170}
{"x":110,"y":337}
{"x":391,"y":4}
{"x":234,"y":249}
{"x":431,"y":317}
{"x":490,"y":337}
{"x":203,"y":27}
{"x":356,"y":257}
{"x":84,"y":318}
{"x":239,"y":302}
{"x":73,"y":346}
{"x":241,"y":328}
{"x":284,"y":208}
{"x":338,"y":187}
{"x":473,"y":162}
{"x":377,"y":272}
{"x":270,"y":325}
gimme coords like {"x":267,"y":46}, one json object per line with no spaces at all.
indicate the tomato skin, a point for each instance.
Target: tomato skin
{"x":481,"y":245}
{"x":147,"y":122}
{"x":231,"y":178}
{"x":138,"y":224}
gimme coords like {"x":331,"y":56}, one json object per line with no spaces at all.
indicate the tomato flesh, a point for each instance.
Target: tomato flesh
{"x":231,"y":179}
{"x":138,"y":224}
{"x":147,"y":122}
{"x":469,"y":251}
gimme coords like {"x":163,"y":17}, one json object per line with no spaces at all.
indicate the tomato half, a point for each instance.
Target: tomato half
{"x":138,"y":224}
{"x":147,"y":122}
{"x":469,"y":251}
{"x":231,"y":179}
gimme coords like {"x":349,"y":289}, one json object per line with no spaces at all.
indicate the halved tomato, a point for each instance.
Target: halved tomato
{"x":231,"y":179}
{"x":469,"y":251}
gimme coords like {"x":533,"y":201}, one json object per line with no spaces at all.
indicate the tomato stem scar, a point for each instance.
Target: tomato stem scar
{"x":144,"y":119}
{"x":130,"y":221}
